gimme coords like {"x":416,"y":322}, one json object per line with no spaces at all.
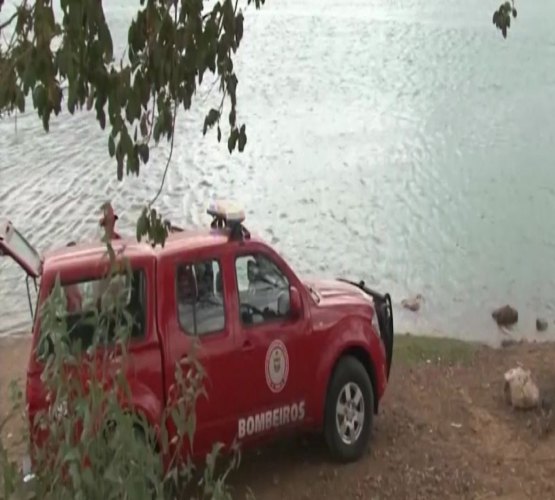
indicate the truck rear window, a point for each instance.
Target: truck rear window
{"x":200,"y":298}
{"x":85,"y":300}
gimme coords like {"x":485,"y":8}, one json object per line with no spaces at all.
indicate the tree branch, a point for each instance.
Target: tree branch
{"x":9,"y":21}
{"x":168,"y":162}
{"x":173,"y":134}
{"x":209,"y":91}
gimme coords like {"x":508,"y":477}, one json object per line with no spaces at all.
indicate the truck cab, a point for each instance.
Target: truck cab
{"x":281,"y":353}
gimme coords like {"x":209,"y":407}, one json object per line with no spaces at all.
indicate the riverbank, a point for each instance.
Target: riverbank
{"x":444,"y":431}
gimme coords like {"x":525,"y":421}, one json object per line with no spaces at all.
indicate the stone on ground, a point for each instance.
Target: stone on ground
{"x":505,"y":316}
{"x":520,"y":390}
{"x":541,"y":325}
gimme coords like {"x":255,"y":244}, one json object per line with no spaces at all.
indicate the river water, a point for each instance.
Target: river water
{"x":402,"y":141}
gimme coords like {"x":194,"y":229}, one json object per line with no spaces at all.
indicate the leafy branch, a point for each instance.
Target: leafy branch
{"x":170,"y":46}
{"x":502,"y":17}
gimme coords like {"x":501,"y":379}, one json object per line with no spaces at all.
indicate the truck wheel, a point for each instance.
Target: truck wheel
{"x":349,"y":411}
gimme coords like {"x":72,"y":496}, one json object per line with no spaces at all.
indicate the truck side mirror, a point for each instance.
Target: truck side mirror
{"x":295,"y":302}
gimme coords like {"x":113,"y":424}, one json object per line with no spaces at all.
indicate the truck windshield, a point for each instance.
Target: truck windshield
{"x":88,"y":308}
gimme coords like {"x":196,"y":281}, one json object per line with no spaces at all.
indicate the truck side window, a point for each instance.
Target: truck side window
{"x":200,"y":299}
{"x":84,"y":300}
{"x":263,"y":289}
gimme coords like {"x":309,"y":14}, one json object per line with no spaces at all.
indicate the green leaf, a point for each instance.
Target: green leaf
{"x":157,"y":129}
{"x":105,"y":38}
{"x":90,"y":101}
{"x":72,"y":98}
{"x":71,"y":456}
{"x":242,"y":138}
{"x":145,"y":91}
{"x":20,"y":100}
{"x":101,"y":117}
{"x":239,"y":28}
{"x":133,"y":161}
{"x":232,"y":141}
{"x":111,"y":146}
{"x":126,"y":142}
{"x":133,"y":109}
{"x":231,"y":84}
{"x":119,"y":158}
{"x":29,"y":79}
{"x":142,"y":225}
{"x":88,"y":478}
{"x":190,"y":426}
{"x":39,"y":97}
{"x":46,"y":120}
{"x":144,"y":125}
{"x":210,"y":120}
{"x":144,"y":152}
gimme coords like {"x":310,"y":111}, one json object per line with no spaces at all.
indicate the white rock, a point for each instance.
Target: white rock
{"x":520,"y":390}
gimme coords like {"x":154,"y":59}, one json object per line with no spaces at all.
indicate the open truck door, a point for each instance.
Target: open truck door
{"x":14,"y":245}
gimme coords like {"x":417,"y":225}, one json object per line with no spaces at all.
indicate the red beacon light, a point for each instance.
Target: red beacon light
{"x":227,"y":214}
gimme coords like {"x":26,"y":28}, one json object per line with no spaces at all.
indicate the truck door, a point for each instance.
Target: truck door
{"x":272,"y":345}
{"x":14,"y":245}
{"x":193,"y":302}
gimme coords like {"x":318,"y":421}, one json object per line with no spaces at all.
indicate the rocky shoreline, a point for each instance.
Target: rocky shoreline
{"x":505,"y":316}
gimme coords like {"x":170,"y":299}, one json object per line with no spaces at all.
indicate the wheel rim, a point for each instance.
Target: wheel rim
{"x":349,"y":413}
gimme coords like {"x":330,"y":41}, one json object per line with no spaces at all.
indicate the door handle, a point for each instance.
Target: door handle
{"x":247,"y":345}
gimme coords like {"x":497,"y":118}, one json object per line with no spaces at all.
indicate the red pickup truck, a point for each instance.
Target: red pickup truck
{"x":280,"y":353}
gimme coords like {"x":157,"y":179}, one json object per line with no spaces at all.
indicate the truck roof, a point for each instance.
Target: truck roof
{"x":226,"y":226}
{"x":85,"y":252}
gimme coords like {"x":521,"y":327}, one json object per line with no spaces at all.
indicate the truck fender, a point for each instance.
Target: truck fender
{"x":347,"y":341}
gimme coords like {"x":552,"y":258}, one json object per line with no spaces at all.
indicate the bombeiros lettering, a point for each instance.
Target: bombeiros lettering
{"x":271,"y":419}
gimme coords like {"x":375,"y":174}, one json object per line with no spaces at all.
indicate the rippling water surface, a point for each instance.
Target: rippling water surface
{"x":403,"y":142}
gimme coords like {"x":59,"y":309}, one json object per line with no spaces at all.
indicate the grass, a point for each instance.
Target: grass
{"x":414,"y":349}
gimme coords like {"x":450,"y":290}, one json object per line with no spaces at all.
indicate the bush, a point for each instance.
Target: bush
{"x":96,"y":447}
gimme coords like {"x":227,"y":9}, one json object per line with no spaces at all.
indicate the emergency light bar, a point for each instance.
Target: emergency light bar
{"x":229,"y":211}
{"x":228,"y":214}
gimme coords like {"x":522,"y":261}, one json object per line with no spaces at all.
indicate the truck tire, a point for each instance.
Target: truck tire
{"x":349,"y":410}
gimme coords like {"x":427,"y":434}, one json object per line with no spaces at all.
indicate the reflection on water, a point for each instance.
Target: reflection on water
{"x":403,"y":142}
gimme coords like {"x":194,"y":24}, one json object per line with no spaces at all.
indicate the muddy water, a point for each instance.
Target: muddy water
{"x":401,"y":142}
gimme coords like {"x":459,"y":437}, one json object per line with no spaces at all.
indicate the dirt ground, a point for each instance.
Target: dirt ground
{"x":444,"y":431}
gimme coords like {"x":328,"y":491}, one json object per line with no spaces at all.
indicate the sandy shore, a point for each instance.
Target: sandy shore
{"x":444,"y":431}
{"x":14,"y":354}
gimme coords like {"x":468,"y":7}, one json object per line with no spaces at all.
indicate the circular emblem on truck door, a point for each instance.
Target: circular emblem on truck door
{"x":277,"y":366}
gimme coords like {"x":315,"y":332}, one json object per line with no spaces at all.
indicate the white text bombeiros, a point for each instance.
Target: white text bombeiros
{"x":271,"y":419}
